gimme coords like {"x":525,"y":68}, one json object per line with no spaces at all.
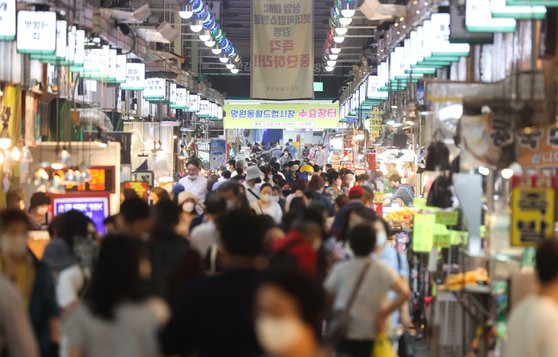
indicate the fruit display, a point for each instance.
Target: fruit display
{"x":472,"y":278}
{"x":402,"y":217}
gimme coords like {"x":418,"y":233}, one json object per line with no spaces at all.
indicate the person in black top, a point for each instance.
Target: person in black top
{"x":214,"y":317}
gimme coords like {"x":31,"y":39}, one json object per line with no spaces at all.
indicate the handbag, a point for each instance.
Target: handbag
{"x":338,"y":323}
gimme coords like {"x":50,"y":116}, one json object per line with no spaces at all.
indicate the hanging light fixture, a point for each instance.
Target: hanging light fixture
{"x":347,"y":11}
{"x":216,"y":50}
{"x":15,"y":154}
{"x":224,"y":58}
{"x":331,"y":63}
{"x":335,"y":49}
{"x":234,"y":70}
{"x":338,"y":39}
{"x":341,"y":30}
{"x":205,"y":36}
{"x":196,"y":26}
{"x":329,"y":68}
{"x":345,"y":21}
{"x":229,"y":66}
{"x":333,"y":57}
{"x":186,"y":12}
{"x":210,"y":43}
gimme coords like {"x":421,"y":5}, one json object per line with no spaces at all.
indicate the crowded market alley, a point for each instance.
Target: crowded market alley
{"x":278,"y":178}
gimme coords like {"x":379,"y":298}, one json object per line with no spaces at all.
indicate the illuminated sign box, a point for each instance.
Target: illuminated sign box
{"x":94,"y":207}
{"x":317,"y":115}
{"x":8,"y":20}
{"x":135,"y":77}
{"x":478,"y":18}
{"x":36,"y":32}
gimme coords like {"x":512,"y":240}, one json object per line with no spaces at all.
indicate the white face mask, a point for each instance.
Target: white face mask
{"x":188,"y":206}
{"x":13,"y":245}
{"x":278,"y":335}
{"x":274,"y":198}
{"x":381,"y":238}
{"x":42,"y":210}
{"x":265,"y":197}
{"x":192,"y":177}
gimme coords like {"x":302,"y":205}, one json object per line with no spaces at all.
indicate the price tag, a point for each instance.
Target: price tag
{"x":448,"y":218}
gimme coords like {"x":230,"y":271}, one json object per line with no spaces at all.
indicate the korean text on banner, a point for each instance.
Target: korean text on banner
{"x":538,"y":148}
{"x":281,"y":116}
{"x":282,"y":49}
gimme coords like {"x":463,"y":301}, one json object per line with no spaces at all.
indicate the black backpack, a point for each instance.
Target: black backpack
{"x":440,"y":194}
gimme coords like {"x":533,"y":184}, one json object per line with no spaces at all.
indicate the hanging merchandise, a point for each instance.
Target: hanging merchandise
{"x":533,"y":206}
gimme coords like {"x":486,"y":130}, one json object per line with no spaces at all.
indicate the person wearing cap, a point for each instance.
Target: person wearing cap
{"x":253,"y":173}
{"x":194,"y":182}
{"x":358,"y":197}
{"x":38,"y":211}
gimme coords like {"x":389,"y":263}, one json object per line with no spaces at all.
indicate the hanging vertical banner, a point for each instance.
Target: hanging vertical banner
{"x":282,"y":49}
{"x":10,"y":110}
{"x":7,"y":20}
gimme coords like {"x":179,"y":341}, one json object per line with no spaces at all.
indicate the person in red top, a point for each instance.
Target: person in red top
{"x":301,"y":243}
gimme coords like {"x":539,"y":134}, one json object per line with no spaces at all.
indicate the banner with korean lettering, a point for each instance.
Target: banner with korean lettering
{"x":537,"y":148}
{"x":282,"y":49}
{"x":319,"y":115}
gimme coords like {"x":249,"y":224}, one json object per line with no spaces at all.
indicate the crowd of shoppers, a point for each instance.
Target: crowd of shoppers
{"x":254,"y":263}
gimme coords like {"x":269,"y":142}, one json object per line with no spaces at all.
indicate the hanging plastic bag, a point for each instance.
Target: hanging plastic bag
{"x":382,"y":347}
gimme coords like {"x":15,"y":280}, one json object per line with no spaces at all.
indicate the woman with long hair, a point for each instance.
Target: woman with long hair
{"x":118,"y":315}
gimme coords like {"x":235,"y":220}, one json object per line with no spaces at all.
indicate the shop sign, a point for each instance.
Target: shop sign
{"x":7,"y":20}
{"x":141,"y":188}
{"x":205,"y":108}
{"x":281,"y":116}
{"x":172,"y":98}
{"x":194,"y":103}
{"x":478,"y":18}
{"x":102,"y":180}
{"x":36,"y":32}
{"x":376,"y":124}
{"x":71,"y":48}
{"x":61,"y":38}
{"x":441,"y":31}
{"x":538,"y":148}
{"x":501,"y":9}
{"x":112,"y":65}
{"x":448,"y":218}
{"x":217,"y":154}
{"x":96,"y":208}
{"x":121,"y":69}
{"x":282,"y":49}
{"x":155,"y":89}
{"x":92,"y":61}
{"x":135,"y":77}
{"x":181,"y":99}
{"x":533,"y":206}
{"x":79,"y":56}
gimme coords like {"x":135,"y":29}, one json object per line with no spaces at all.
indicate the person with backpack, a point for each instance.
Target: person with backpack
{"x":360,"y":288}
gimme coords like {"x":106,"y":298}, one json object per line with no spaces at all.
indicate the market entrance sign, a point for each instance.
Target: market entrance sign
{"x":281,"y":116}
{"x":282,"y":49}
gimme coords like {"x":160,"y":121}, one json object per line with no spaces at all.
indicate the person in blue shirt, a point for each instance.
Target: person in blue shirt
{"x":291,"y":148}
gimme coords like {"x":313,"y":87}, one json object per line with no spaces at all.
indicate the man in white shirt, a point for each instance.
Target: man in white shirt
{"x":321,"y":156}
{"x":252,"y":189}
{"x":533,"y":323}
{"x":207,"y":234}
{"x":194,"y":182}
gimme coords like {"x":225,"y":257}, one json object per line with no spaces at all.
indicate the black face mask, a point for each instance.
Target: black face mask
{"x":286,"y":193}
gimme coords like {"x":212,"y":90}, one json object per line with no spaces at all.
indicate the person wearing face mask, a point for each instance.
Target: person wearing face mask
{"x":194,"y":183}
{"x":38,"y":211}
{"x":277,"y":196}
{"x":206,"y":234}
{"x":32,"y":278}
{"x":187,"y":206}
{"x":265,"y":205}
{"x":118,"y":315}
{"x":388,"y":253}
{"x":316,"y":192}
{"x":253,"y":173}
{"x":289,"y":311}
{"x":370,"y":308}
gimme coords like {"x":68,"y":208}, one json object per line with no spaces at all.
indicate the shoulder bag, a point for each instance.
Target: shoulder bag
{"x":338,"y":324}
